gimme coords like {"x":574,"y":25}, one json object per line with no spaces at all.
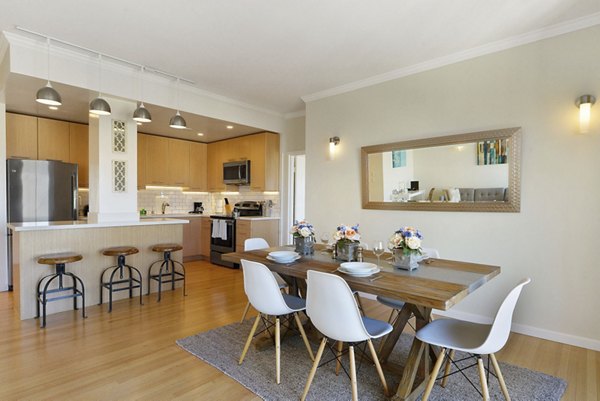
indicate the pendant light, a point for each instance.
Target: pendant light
{"x":47,"y":94}
{"x":100,"y":106}
{"x":177,"y":121}
{"x":141,"y":114}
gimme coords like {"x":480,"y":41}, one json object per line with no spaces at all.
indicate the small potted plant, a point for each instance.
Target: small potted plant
{"x":304,"y":237}
{"x":405,"y":245}
{"x":347,"y":241}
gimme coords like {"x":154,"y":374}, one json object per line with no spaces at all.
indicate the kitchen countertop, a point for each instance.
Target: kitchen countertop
{"x":172,"y":215}
{"x":77,"y":224}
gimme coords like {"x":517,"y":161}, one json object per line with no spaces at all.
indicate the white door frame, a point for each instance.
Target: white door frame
{"x":287,"y":217}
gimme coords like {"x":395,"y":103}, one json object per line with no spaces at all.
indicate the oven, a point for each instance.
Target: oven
{"x":222,"y":239}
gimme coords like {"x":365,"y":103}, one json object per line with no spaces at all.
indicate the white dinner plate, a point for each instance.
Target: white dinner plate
{"x":358,"y":267}
{"x":284,"y":261}
{"x":361,"y":274}
{"x":283,"y":255}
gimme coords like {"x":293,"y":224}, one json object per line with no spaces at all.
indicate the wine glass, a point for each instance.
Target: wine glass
{"x":378,"y":250}
{"x":324,"y":240}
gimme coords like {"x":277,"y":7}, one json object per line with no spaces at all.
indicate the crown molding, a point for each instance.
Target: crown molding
{"x":294,"y":114}
{"x":493,"y":47}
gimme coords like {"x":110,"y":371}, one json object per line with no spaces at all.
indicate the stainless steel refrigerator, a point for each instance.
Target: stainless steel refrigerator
{"x":39,"y":190}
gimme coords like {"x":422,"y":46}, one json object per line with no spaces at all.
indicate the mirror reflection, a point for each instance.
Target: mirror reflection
{"x":469,"y":172}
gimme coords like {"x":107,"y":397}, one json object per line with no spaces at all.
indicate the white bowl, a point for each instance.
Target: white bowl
{"x":283,"y":255}
{"x":358,"y":267}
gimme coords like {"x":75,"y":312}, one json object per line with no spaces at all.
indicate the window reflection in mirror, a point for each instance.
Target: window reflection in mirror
{"x":468,"y":172}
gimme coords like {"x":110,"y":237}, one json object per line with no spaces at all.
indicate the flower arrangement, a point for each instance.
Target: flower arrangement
{"x":346,"y":233}
{"x":408,"y":239}
{"x":302,"y":229}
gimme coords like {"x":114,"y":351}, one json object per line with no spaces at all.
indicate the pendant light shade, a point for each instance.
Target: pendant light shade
{"x":141,"y":114}
{"x":48,"y":95}
{"x":177,"y":121}
{"x":100,"y":107}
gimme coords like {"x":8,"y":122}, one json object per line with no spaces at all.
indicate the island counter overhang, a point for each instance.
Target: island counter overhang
{"x":31,"y":240}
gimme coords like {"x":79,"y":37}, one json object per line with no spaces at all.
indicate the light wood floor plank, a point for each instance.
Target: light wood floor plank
{"x":131,"y":353}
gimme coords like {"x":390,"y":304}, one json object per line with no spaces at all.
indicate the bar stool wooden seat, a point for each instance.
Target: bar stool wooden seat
{"x":133,"y":279}
{"x":167,"y":272}
{"x":59,"y":260}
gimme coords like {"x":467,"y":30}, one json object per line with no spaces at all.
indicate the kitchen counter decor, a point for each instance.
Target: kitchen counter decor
{"x":347,"y":242}
{"x":405,"y":245}
{"x":304,"y":237}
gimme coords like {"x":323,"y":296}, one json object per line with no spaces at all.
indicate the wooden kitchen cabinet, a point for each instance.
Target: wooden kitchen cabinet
{"x":216,"y":153}
{"x":178,"y":162}
{"x":53,"y":140}
{"x":198,"y":168}
{"x":264,"y":162}
{"x":194,"y":237}
{"x":205,"y":236}
{"x":21,"y":136}
{"x":252,"y":228}
{"x":141,"y":160}
{"x":79,"y":151}
{"x":157,"y":157}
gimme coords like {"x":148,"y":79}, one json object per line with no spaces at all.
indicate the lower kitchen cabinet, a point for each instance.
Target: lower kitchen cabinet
{"x":252,"y":228}
{"x":205,"y":234}
{"x":196,"y":238}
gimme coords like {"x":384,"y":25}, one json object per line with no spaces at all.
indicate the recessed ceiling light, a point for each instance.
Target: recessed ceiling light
{"x":200,"y":134}
{"x":53,"y":107}
{"x":230,"y":127}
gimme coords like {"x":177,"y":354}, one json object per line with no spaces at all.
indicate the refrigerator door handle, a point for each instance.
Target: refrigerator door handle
{"x":74,"y":192}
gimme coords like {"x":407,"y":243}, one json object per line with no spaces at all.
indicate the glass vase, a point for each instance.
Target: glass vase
{"x":409,"y":261}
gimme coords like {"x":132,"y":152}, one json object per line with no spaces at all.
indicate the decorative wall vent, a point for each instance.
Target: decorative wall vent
{"x":119,"y":168}
{"x":119,"y":136}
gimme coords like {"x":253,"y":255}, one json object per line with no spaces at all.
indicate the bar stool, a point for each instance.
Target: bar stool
{"x":59,"y":260}
{"x":120,"y":252}
{"x":167,"y":262}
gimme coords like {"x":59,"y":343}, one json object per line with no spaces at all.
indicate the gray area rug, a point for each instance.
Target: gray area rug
{"x":222,"y":348}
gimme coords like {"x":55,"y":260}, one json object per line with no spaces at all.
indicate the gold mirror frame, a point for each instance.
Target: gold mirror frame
{"x":513,"y":203}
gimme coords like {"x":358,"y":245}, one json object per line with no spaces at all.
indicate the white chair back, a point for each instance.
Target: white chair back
{"x":332,"y":308}
{"x":262,"y":289}
{"x":500,"y":329}
{"x":252,"y":244}
{"x":431,"y":252}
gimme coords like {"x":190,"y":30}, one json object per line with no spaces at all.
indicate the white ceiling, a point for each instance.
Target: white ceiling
{"x":270,"y":53}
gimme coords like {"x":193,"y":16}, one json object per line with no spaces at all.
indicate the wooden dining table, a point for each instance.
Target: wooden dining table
{"x":435,"y":284}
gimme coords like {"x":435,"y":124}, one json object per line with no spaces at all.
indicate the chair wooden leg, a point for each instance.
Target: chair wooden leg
{"x":245,"y":312}
{"x":311,"y":375}
{"x":353,"y":373}
{"x":277,"y":350}
{"x":500,"y":377}
{"x":378,"y":367}
{"x":447,"y":369}
{"x":484,"y":386}
{"x":434,"y":373}
{"x":249,"y":340}
{"x":338,"y":362}
{"x":304,"y":338}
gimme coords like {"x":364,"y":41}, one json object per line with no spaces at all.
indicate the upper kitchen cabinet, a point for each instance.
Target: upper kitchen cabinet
{"x":53,"y":140}
{"x":157,"y":157}
{"x":198,"y":173}
{"x":179,"y":162}
{"x":237,"y":149}
{"x":216,"y":157}
{"x":79,"y":151}
{"x":264,"y":162}
{"x":142,"y":146}
{"x":21,"y":136}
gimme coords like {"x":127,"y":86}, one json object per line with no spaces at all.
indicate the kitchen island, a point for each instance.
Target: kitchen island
{"x":31,"y":240}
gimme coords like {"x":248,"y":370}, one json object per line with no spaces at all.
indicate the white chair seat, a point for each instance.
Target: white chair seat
{"x":455,"y":334}
{"x":390,"y":302}
{"x":294,"y":303}
{"x":376,"y":328}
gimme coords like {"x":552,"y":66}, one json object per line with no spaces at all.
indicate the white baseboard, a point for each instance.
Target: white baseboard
{"x":551,"y":335}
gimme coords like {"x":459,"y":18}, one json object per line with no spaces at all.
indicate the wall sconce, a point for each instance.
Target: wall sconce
{"x":585,"y":103}
{"x":333,"y":142}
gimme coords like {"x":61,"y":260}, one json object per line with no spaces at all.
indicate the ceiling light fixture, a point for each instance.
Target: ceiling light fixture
{"x":99,"y":106}
{"x":141,"y":114}
{"x":200,"y":134}
{"x":230,"y":127}
{"x":47,"y":94}
{"x":585,"y":103}
{"x":177,"y":121}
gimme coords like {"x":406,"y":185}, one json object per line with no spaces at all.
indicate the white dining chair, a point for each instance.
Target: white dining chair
{"x":264,"y":295}
{"x":252,"y":244}
{"x":397,"y":304}
{"x":473,"y":338}
{"x":333,"y":311}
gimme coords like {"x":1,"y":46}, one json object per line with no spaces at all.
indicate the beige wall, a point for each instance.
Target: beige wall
{"x":553,"y":239}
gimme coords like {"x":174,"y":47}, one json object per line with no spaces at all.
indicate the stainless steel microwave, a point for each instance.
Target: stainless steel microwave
{"x":236,"y":173}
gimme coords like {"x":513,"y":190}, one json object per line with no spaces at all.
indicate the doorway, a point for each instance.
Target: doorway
{"x":296,"y":189}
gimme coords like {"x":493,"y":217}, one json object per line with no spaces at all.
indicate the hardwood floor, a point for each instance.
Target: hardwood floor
{"x":131,"y":353}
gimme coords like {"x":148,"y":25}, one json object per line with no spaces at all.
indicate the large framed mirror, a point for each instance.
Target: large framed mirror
{"x":473,"y":172}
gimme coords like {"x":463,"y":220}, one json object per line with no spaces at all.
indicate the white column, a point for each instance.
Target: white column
{"x":108,"y":202}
